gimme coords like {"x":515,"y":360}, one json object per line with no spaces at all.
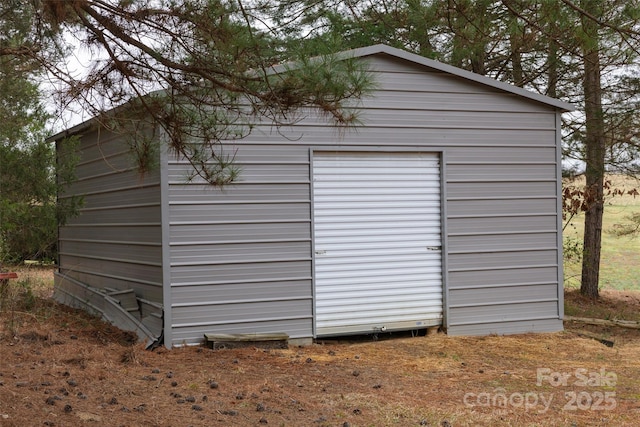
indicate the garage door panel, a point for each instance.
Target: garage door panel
{"x":377,"y":290}
{"x":369,"y":256}
{"x":388,"y":320}
{"x":376,"y":301}
{"x":388,"y":242}
{"x":337,"y":283}
{"x":377,"y":238}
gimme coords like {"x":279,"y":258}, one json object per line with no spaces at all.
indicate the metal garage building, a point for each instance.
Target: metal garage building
{"x":443,"y":207}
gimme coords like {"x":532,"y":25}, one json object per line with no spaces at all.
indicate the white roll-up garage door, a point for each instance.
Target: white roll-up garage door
{"x":377,"y":242}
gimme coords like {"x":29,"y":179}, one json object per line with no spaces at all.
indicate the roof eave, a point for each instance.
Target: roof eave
{"x":72,"y":131}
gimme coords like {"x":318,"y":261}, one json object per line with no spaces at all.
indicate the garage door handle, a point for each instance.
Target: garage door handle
{"x":321,"y":252}
{"x":434,"y":248}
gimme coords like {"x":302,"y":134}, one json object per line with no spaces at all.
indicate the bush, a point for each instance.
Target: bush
{"x":29,"y":212}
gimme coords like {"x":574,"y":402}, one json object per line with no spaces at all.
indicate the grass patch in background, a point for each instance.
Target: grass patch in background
{"x":28,"y":295}
{"x":35,"y":278}
{"x":620,"y":258}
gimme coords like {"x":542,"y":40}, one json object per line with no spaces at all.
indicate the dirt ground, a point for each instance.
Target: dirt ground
{"x":60,"y":367}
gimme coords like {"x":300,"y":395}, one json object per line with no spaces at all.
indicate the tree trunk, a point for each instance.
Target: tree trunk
{"x":552,"y":73}
{"x":456,"y":24}
{"x":553,"y":14}
{"x":595,"y":155}
{"x":479,"y":42}
{"x":516,"y":57}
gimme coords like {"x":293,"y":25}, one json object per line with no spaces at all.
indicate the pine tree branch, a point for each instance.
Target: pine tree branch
{"x":599,"y":21}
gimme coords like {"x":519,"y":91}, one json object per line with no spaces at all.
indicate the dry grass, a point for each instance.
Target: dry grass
{"x":621,"y":305}
{"x":61,"y":367}
{"x":619,"y":268}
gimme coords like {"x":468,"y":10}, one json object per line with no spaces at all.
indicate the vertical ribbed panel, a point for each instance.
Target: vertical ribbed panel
{"x":377,"y":241}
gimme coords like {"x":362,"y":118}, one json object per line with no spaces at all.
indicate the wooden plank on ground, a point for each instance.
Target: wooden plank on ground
{"x":263,"y":340}
{"x":603,"y":322}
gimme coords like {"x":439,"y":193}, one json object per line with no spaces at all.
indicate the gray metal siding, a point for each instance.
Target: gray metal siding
{"x":241,"y":256}
{"x":509,"y":311}
{"x":508,"y":326}
{"x":115,"y":242}
{"x":241,"y":259}
{"x":471,"y":279}
{"x":495,"y":294}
